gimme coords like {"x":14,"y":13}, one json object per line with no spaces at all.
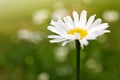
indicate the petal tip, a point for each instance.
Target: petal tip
{"x":83,"y":11}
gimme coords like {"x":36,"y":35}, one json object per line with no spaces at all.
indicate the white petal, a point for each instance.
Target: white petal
{"x":58,"y":26}
{"x":57,"y":31}
{"x":95,"y":34}
{"x":57,"y":40}
{"x":107,"y":31}
{"x":82,"y":46}
{"x":102,"y":26}
{"x":61,"y":23}
{"x":102,"y":32}
{"x":99,"y":28}
{"x":76,"y":18}
{"x":83,"y":18}
{"x":97,"y":22}
{"x":68,"y":22}
{"x":84,"y":42}
{"x":91,"y":37}
{"x":51,"y":28}
{"x":90,"y":21}
{"x":54,"y":36}
{"x":60,"y":29}
{"x":99,"y":33}
{"x":64,"y":43}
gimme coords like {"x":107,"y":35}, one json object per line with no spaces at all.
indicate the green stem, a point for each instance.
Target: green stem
{"x":77,"y":60}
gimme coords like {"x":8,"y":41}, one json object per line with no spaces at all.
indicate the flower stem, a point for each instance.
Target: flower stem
{"x":77,"y":60}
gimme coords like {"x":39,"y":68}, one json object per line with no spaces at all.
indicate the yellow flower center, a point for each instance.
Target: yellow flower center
{"x":82,"y":32}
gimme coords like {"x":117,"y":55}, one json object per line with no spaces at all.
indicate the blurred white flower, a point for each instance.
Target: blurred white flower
{"x":68,"y":30}
{"x":111,"y":16}
{"x":29,"y":35}
{"x":93,"y":65}
{"x":40,"y":16}
{"x":61,"y":54}
{"x":59,"y":12}
{"x":43,"y":76}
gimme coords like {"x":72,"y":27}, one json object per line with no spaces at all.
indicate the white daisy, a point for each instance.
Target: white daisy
{"x":78,"y":28}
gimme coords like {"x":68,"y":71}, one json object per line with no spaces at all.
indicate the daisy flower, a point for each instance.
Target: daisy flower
{"x":79,"y":28}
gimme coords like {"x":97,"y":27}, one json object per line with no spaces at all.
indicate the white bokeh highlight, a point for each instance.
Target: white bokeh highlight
{"x":40,"y":16}
{"x":91,"y":64}
{"x":111,"y":16}
{"x":61,"y":54}
{"x":43,"y":76}
{"x":24,"y":34}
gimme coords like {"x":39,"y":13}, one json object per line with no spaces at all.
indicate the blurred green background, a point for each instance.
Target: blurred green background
{"x":25,"y":51}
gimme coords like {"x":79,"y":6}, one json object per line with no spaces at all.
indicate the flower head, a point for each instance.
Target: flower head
{"x":78,"y":28}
